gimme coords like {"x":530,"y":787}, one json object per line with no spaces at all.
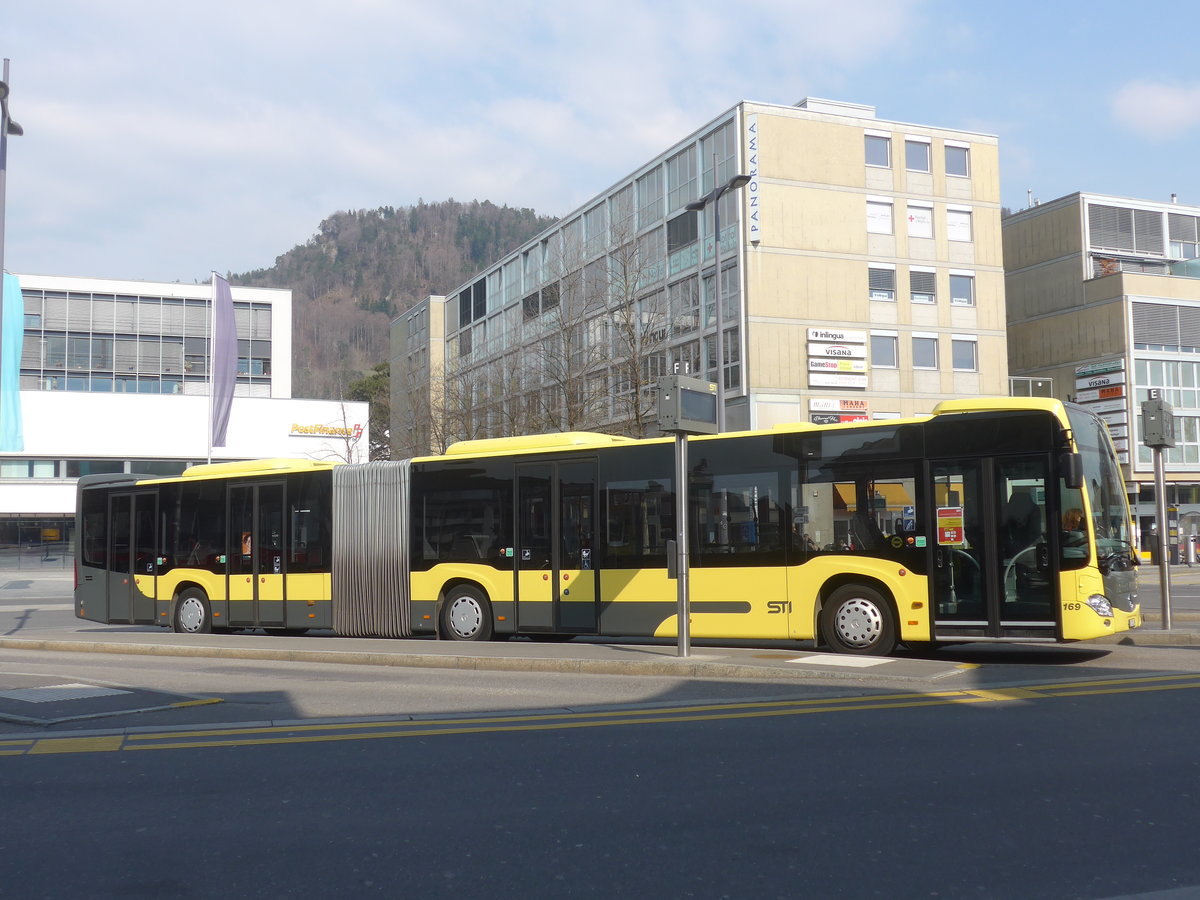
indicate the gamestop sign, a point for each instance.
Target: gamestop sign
{"x":326,"y":431}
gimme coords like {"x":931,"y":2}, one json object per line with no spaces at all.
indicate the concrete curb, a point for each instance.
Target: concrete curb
{"x":1149,"y":638}
{"x":670,"y":666}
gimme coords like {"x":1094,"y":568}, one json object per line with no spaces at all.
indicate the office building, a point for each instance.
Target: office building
{"x":860,"y":277}
{"x":1104,"y":300}
{"x":114,"y":378}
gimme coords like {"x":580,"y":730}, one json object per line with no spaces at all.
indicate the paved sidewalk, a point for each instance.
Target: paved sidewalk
{"x":709,"y":659}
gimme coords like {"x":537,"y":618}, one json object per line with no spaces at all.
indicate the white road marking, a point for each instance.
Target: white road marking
{"x":832,"y":659}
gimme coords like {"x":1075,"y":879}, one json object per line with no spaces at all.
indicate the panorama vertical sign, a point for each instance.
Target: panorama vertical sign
{"x":753,"y":209}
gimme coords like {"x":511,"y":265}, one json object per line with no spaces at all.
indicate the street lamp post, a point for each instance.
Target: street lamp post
{"x":714,"y":197}
{"x":7,"y":127}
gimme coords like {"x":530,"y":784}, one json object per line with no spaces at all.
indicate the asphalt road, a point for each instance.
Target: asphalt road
{"x":1049,"y":793}
{"x":1003,"y":771}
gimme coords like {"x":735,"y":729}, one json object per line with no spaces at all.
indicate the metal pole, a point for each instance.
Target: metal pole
{"x":1164,"y":561}
{"x":681,"y":545}
{"x":720,"y":312}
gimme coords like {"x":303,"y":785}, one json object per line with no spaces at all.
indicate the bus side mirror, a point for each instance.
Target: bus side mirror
{"x":1070,"y":465}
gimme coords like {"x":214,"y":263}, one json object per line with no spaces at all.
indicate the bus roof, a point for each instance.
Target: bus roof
{"x":983,"y":404}
{"x":587,"y":440}
{"x":257,"y":467}
{"x":566,"y":440}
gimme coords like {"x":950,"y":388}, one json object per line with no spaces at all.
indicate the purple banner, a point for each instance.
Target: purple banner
{"x":224,"y":358}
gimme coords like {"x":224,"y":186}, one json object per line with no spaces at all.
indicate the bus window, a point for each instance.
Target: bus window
{"x":309,"y":520}
{"x":640,"y":520}
{"x":195,"y":515}
{"x":94,"y":540}
{"x":865,"y":510}
{"x":464,"y":515}
{"x":738,"y":513}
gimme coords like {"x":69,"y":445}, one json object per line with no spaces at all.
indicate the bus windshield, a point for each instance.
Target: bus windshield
{"x":1102,"y":480}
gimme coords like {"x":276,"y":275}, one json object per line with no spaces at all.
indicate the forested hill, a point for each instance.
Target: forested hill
{"x":364,"y":267}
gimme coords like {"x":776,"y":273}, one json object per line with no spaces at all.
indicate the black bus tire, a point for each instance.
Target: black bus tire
{"x":466,"y":615}
{"x":192,"y":613}
{"x":857,"y":619}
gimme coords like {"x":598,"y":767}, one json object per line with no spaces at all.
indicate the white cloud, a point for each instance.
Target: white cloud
{"x":1157,"y":110}
{"x":162,"y":139}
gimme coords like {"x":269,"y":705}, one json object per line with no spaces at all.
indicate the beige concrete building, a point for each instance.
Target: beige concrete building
{"x":417,"y":366}
{"x":1104,"y":299}
{"x":861,"y":277}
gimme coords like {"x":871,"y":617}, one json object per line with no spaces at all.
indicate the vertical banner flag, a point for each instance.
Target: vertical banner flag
{"x":224,"y":358}
{"x":12,"y":330}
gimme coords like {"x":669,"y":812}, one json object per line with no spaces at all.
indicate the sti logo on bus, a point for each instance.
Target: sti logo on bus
{"x":779,"y":606}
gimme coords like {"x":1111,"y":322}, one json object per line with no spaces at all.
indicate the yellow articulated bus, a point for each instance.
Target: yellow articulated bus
{"x":989,"y":520}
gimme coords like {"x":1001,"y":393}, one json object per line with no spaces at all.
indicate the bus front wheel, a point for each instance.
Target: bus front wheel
{"x":857,"y":619}
{"x":466,"y":615}
{"x":192,"y":613}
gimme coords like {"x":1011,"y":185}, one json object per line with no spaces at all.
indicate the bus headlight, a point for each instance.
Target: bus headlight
{"x":1100,"y":605}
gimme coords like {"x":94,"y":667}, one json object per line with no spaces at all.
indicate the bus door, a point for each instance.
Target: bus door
{"x":556,"y":579}
{"x":132,"y":568}
{"x":256,"y":554}
{"x":992,"y":573}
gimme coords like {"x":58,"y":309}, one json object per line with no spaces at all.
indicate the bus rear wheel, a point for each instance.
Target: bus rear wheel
{"x":857,"y":619}
{"x":466,"y":615}
{"x":192,"y":613}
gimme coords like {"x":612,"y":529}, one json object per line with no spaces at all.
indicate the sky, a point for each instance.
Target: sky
{"x":166,"y":140}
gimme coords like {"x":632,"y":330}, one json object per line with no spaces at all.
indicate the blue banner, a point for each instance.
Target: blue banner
{"x":12,"y":330}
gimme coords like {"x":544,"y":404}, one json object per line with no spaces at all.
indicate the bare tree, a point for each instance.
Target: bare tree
{"x":344,"y":439}
{"x":581,"y":350}
{"x":640,"y":319}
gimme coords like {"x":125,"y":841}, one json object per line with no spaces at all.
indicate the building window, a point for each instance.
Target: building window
{"x":962,"y":289}
{"x":1120,"y":228}
{"x":922,"y":285}
{"x":958,"y":224}
{"x":884,"y":354}
{"x":1185,"y":235}
{"x":920,"y":220}
{"x":682,"y":231}
{"x":879,"y":217}
{"x":879,"y":151}
{"x":881,"y":282}
{"x":650,"y":197}
{"x":963,"y":351}
{"x":595,"y":230}
{"x":958,"y":161}
{"x":925,"y":351}
{"x":682,"y":177}
{"x":916,"y":155}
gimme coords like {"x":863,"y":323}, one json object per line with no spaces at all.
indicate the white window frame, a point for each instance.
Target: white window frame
{"x":966,"y":149}
{"x":931,"y":295}
{"x":927,"y":143}
{"x":876,"y":204}
{"x":962,"y":273}
{"x":955,"y":216}
{"x":895,"y":340}
{"x":884,"y":267}
{"x":928,"y":208}
{"x":926,"y":336}
{"x":878,"y":135}
{"x":965,"y":339}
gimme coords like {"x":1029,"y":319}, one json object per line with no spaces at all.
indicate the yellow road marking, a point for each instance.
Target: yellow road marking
{"x":185,"y":703}
{"x":356,"y":731}
{"x":1012,"y":693}
{"x":79,"y":745}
